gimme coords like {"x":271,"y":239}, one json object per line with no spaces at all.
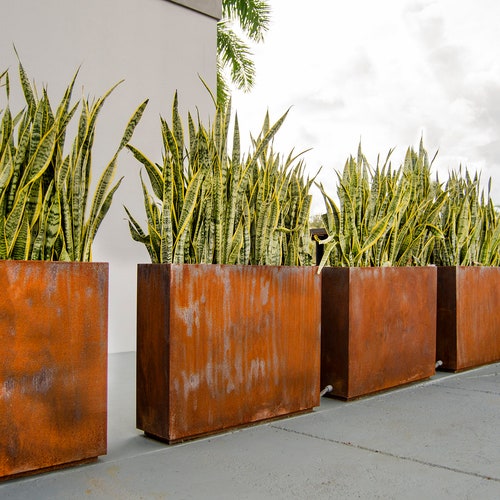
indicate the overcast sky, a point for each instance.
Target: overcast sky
{"x":385,"y":73}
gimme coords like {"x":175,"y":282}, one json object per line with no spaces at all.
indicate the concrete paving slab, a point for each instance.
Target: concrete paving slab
{"x":441,"y":423}
{"x":484,"y":379}
{"x":431,"y":440}
{"x":260,"y":463}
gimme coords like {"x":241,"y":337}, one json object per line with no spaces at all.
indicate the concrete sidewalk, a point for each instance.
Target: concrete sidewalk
{"x":438,"y":439}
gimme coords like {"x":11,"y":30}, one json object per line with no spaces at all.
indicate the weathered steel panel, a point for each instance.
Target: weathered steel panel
{"x":53,"y":373}
{"x":239,"y":344}
{"x":381,"y":322}
{"x":446,"y":323}
{"x":153,"y":348}
{"x":335,"y":329}
{"x":468,"y":332}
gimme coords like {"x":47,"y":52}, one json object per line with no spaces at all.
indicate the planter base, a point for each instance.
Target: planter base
{"x":228,"y":429}
{"x":380,"y":391}
{"x":44,"y":470}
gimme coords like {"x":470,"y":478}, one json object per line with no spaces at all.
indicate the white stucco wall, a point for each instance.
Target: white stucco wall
{"x":156,"y":46}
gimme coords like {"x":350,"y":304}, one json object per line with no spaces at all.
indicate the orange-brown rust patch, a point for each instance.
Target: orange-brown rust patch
{"x":53,"y":375}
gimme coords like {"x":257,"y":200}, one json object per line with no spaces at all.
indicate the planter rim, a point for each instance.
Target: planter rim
{"x":238,"y":266}
{"x":57,"y":262}
{"x":469,"y":267}
{"x":381,"y":267}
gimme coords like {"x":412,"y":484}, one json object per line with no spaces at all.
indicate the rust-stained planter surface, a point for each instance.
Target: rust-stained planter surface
{"x":468,"y":321}
{"x":222,"y":346}
{"x":378,"y":328}
{"x":53,"y":369}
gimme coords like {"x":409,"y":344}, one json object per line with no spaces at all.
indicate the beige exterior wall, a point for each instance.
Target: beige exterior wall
{"x":157,"y":47}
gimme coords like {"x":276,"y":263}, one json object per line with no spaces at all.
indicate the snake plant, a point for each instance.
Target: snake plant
{"x":470,"y":224}
{"x":45,"y":208}
{"x":206,"y":202}
{"x":385,"y":216}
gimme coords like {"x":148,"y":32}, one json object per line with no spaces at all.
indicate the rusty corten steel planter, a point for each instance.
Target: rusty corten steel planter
{"x":53,"y":367}
{"x":468,"y":316}
{"x":378,"y":328}
{"x":222,"y":346}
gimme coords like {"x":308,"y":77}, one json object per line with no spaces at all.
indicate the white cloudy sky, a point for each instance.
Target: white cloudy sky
{"x":384,"y":72}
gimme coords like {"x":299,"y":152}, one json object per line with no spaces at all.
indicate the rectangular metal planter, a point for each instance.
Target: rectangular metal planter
{"x":378,"y":328}
{"x":53,"y":368}
{"x":222,"y":346}
{"x":468,"y":316}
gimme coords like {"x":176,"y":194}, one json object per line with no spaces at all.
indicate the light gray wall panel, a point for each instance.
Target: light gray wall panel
{"x":157,"y":47}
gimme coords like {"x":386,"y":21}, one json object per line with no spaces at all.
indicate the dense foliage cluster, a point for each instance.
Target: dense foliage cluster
{"x":402,"y":217}
{"x":45,"y":210}
{"x":209,"y":204}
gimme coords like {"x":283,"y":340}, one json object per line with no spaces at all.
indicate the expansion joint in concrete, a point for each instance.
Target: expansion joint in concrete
{"x":389,"y":454}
